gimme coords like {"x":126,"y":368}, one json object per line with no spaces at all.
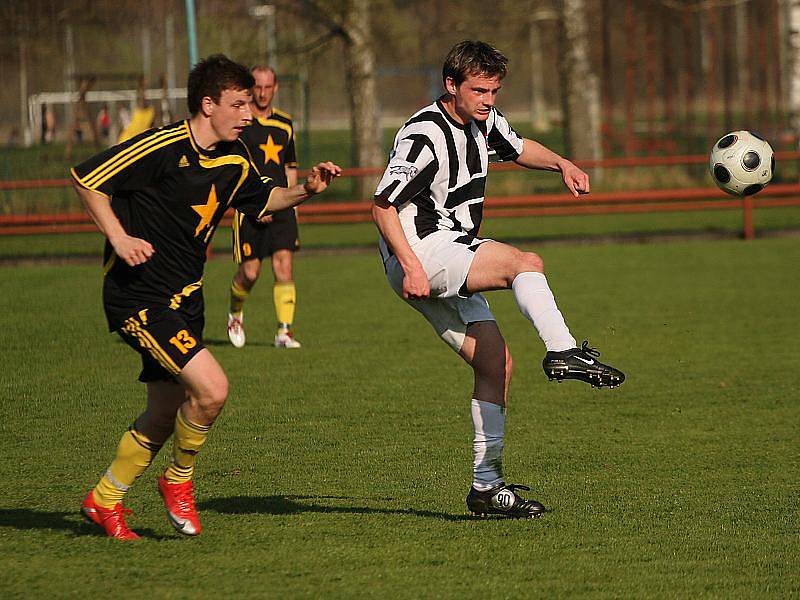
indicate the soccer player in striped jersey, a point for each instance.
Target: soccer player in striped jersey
{"x":428,"y":207}
{"x":270,"y":139}
{"x":158,"y":199}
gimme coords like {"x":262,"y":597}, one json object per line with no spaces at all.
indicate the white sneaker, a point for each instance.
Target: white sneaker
{"x":285,"y":339}
{"x":236,"y":330}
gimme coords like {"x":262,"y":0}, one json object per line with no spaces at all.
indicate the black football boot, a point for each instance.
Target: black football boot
{"x":581,"y":364}
{"x":503,"y":500}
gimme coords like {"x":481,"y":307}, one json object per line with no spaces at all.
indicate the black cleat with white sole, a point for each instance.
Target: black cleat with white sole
{"x":503,"y":500}
{"x":581,"y":364}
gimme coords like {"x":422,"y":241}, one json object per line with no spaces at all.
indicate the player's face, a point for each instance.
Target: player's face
{"x":475,"y":97}
{"x":231,"y":115}
{"x":264,"y":89}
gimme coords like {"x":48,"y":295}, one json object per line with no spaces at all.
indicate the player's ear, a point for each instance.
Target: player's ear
{"x":207,"y":105}
{"x":450,"y":86}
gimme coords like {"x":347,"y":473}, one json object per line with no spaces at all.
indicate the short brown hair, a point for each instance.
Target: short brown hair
{"x":265,"y":69}
{"x":473,"y":58}
{"x":213,"y":75}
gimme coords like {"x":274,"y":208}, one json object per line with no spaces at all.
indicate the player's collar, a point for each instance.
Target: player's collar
{"x":269,"y":115}
{"x":199,"y":149}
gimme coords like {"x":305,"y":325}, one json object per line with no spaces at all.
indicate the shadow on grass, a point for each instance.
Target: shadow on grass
{"x":25,"y":519}
{"x":288,"y":505}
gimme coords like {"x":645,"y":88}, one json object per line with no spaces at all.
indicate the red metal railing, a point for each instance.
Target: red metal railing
{"x":596,"y":203}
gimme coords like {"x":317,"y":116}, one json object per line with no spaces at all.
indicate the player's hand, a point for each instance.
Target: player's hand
{"x":265,"y":219}
{"x":133,"y":251}
{"x":416,"y":285}
{"x":320,"y":177}
{"x":576,"y":180}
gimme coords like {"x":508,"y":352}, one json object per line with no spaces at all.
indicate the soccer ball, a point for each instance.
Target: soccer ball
{"x":742,"y":163}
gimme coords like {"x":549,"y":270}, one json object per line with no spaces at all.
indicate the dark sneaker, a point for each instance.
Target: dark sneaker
{"x":503,"y":500}
{"x":581,"y":364}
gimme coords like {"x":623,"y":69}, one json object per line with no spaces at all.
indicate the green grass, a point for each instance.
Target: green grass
{"x":340,"y":470}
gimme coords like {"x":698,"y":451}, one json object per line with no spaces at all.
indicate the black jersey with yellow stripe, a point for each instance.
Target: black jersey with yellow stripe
{"x":167,"y":190}
{"x":270,"y":140}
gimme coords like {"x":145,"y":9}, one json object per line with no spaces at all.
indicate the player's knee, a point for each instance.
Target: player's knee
{"x":212,"y":398}
{"x":250,"y":271}
{"x":523,"y":262}
{"x":282,"y":267}
{"x":530,"y":261}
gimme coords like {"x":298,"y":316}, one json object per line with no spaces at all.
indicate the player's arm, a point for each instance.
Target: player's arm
{"x":536,"y":156}
{"x":133,"y":251}
{"x":290,"y":161}
{"x":291,"y":176}
{"x":317,"y":182}
{"x":415,"y":282}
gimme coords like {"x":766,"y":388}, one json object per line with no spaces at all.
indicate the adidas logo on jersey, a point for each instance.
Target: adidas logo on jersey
{"x":183,"y":162}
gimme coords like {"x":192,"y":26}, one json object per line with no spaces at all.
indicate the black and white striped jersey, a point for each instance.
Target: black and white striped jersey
{"x":436,"y":174}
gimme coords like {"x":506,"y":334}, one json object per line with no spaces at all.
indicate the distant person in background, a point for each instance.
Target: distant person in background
{"x":104,"y":123}
{"x":270,"y":139}
{"x":13,"y":140}
{"x":43,"y":123}
{"x":428,"y":208}
{"x":81,"y":118}
{"x":123,"y":117}
{"x":50,"y":119}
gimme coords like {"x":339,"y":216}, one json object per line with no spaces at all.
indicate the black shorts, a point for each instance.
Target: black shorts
{"x":252,"y":239}
{"x":166,"y":339}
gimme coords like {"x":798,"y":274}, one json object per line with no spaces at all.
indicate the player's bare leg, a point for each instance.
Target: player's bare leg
{"x":285,"y":298}
{"x":243,"y":282}
{"x":164,"y":398}
{"x":485,"y":350}
{"x":500,"y":266}
{"x":206,"y":390}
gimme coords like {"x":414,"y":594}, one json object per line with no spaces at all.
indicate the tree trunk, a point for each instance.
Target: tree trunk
{"x":580,"y":96}
{"x":540,"y":113}
{"x":360,"y":66}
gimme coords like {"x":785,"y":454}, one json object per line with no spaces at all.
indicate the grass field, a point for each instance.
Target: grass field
{"x":340,"y":470}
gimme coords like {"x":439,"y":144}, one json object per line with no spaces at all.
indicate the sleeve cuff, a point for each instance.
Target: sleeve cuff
{"x":81,"y":183}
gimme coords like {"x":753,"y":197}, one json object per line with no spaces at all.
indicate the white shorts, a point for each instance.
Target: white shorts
{"x":446,"y":257}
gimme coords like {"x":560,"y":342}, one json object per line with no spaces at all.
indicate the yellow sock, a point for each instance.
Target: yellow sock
{"x":238,"y":296}
{"x":189,"y":438}
{"x":284,"y":295}
{"x":134,"y":455}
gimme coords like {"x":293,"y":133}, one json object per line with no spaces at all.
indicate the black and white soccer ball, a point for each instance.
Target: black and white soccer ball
{"x":742,"y":163}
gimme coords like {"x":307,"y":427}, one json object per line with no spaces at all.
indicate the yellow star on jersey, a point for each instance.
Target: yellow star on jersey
{"x":206,"y":211}
{"x":271,"y":150}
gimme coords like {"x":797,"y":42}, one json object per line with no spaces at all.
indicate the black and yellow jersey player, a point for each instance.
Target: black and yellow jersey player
{"x":158,"y":198}
{"x":271,"y":141}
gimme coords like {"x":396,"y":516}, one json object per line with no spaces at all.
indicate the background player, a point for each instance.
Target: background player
{"x":428,"y":208}
{"x":270,"y":139}
{"x":158,"y":199}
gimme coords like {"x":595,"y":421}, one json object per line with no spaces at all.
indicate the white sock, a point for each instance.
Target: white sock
{"x":536,"y":301}
{"x":489,"y":421}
